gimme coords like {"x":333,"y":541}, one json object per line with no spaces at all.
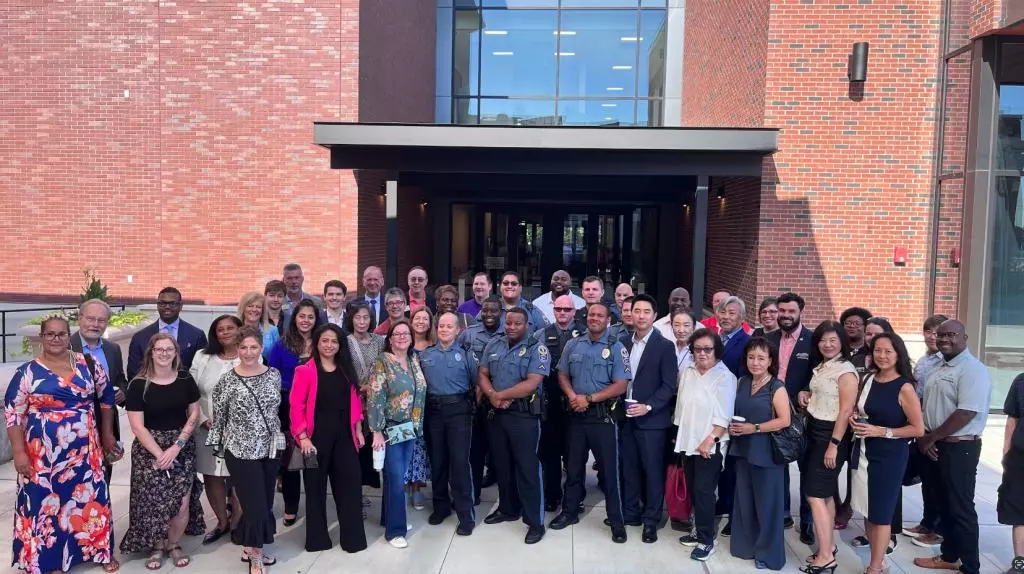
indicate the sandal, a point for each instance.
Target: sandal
{"x":156,"y":560}
{"x":180,"y":559}
{"x":112,"y":566}
{"x":214,"y":535}
{"x":268,"y":560}
{"x":860,"y":542}
{"x":290,"y":521}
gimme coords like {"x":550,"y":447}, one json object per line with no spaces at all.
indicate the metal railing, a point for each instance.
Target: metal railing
{"x":4,"y":335}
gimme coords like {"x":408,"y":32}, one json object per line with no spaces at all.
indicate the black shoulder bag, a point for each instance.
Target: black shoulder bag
{"x":788,"y":443}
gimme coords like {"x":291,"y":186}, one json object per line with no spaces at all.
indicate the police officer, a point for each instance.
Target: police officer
{"x":593,"y":373}
{"x":553,"y":428}
{"x":474,"y":339}
{"x":450,"y":372}
{"x":511,"y":288}
{"x":511,"y":373}
{"x":593,"y":292}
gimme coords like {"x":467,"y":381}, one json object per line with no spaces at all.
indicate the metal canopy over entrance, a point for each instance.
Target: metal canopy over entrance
{"x":581,"y":162}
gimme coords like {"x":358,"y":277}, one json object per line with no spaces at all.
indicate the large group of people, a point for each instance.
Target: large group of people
{"x":392,"y":389}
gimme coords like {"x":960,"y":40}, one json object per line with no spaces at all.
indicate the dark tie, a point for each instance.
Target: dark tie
{"x":373,"y":309}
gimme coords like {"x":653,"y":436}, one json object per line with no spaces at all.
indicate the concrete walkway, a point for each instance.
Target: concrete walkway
{"x":583,"y":549}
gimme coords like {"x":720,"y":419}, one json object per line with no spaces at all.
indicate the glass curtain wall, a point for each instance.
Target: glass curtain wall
{"x":559,"y":62}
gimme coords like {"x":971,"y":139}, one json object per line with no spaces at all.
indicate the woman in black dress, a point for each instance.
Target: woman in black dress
{"x":326,"y":420}
{"x":889,"y":403}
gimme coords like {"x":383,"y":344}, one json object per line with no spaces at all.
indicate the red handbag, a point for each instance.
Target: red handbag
{"x":677,"y":496}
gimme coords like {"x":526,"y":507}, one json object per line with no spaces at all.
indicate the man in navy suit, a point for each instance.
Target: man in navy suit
{"x":797,"y":357}
{"x":729,"y":316}
{"x":190,"y":338}
{"x":652,"y":360}
{"x":373,"y":297}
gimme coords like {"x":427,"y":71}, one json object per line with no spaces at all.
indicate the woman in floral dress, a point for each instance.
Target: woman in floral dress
{"x":422,"y":322}
{"x":62,"y":509}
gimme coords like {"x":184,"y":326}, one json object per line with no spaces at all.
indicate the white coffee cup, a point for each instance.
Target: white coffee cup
{"x":378,"y":459}
{"x":738,"y":419}
{"x":629,"y":403}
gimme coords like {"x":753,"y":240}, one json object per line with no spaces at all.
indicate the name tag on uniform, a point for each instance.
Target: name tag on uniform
{"x":803,"y":356}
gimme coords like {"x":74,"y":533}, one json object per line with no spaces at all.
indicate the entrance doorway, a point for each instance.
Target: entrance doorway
{"x":617,"y":243}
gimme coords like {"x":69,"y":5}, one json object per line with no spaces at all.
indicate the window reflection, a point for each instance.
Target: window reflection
{"x":466,"y":53}
{"x":508,"y":112}
{"x":599,"y":53}
{"x":467,"y":111}
{"x":652,"y":54}
{"x":597,"y":112}
{"x":517,"y":52}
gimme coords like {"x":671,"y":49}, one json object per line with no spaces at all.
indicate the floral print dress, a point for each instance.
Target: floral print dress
{"x":62,"y":514}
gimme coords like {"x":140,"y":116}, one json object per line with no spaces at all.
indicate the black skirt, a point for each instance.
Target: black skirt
{"x":1010,"y":504}
{"x":818,"y":481}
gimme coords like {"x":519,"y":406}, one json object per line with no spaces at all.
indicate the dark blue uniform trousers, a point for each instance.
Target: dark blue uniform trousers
{"x":586,"y":433}
{"x":514,"y":439}
{"x":448,"y":431}
{"x":757,"y":532}
{"x":553,"y":453}
{"x":479,"y":447}
{"x":643,"y":473}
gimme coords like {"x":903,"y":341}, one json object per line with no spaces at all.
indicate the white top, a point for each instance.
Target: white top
{"x":824,"y":403}
{"x":665,"y":326}
{"x":547,"y":305}
{"x":684,"y":358}
{"x":207,"y":370}
{"x":704,"y":401}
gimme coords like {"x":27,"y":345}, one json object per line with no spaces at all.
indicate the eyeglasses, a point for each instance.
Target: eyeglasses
{"x":703,"y":350}
{"x":510,"y":284}
{"x":164,"y":351}
{"x":402,"y":335}
{"x":51,"y":336}
{"x":417,"y":280}
{"x":394,"y":303}
{"x":946,"y":335}
{"x":168,"y":303}
{"x":853,"y":323}
{"x":564,"y":309}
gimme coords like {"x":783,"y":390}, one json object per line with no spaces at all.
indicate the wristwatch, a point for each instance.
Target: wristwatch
{"x":179,"y":443}
{"x":649,"y":408}
{"x":835,"y":441}
{"x":888,"y":433}
{"x":717,"y":439}
{"x":757,"y":427}
{"x":590,"y":399}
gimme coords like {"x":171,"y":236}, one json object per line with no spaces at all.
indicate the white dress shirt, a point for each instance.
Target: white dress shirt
{"x":683,"y":357}
{"x":547,"y":305}
{"x":704,"y":401}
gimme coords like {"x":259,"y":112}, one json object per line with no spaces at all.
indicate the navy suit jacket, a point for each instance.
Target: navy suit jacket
{"x":733,"y":356}
{"x":115,"y":371}
{"x":655,"y":381}
{"x":191,"y":339}
{"x":801,"y":362}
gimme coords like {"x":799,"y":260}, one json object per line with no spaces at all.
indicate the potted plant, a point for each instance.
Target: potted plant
{"x":122,"y":325}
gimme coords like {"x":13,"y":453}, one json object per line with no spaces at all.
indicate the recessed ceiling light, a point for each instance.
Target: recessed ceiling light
{"x":565,"y":53}
{"x":564,"y":32}
{"x":496,"y":32}
{"x":631,"y":39}
{"x":502,"y":53}
{"x":613,"y":89}
{"x":609,"y":105}
{"x":622,"y":67}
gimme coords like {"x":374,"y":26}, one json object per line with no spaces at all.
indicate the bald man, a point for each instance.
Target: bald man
{"x":561,"y":285}
{"x":678,"y":299}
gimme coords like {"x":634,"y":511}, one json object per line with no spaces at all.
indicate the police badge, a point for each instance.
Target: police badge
{"x":458,"y":356}
{"x":575,"y":332}
{"x":606,"y":353}
{"x":522,"y":352}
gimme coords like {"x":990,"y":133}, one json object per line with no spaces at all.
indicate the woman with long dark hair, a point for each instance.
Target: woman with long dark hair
{"x":365,"y":346}
{"x":422,"y":322}
{"x":326,"y":421}
{"x":888,"y":414}
{"x":829,"y":402}
{"x":294,"y":349}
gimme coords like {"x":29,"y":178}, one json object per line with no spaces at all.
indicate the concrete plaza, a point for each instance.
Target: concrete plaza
{"x":585,"y":548}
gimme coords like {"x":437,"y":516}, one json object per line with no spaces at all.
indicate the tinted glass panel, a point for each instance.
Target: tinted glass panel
{"x":600,"y":3}
{"x":518,"y":52}
{"x":509,"y":3}
{"x":467,"y":110}
{"x":1004,"y":336}
{"x":598,"y":52}
{"x":652,"y":54}
{"x":466,"y":53}
{"x":517,"y":112}
{"x":597,"y":112}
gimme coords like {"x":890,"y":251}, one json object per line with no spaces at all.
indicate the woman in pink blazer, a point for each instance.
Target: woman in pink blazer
{"x":326,"y":421}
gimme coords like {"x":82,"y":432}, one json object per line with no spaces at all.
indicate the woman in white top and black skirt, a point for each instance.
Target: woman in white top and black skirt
{"x":829,"y":402}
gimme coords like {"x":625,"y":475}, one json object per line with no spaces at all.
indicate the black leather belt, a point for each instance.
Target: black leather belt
{"x":441,"y":400}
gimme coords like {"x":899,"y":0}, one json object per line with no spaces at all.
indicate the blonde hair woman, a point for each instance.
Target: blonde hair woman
{"x":252,"y":310}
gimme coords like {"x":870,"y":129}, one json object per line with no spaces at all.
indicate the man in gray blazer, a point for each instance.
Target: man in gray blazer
{"x":93,"y":316}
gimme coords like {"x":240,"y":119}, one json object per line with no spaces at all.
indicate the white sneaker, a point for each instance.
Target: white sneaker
{"x":399,"y":542}
{"x":408,"y":527}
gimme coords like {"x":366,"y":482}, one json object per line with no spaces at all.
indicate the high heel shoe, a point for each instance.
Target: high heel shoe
{"x":813,"y":557}
{"x":829,"y":568}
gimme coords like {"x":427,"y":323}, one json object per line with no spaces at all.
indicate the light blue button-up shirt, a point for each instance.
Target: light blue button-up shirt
{"x":171,"y":329}
{"x":97,"y":354}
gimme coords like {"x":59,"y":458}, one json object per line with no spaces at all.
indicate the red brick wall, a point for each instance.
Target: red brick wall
{"x":724,"y":63}
{"x":733,"y":239}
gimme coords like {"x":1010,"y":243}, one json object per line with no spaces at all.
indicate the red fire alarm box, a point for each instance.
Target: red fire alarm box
{"x":899,"y":255}
{"x":954,"y":257}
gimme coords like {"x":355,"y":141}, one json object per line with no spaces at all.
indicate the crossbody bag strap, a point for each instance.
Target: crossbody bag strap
{"x":259,"y":407}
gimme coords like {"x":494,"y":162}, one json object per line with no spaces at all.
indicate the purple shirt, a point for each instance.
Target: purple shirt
{"x":470,"y":307}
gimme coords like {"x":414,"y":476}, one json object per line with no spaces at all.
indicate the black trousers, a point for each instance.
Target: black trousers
{"x":448,"y":432}
{"x":958,"y":469}
{"x":479,"y":447}
{"x":291,"y":480}
{"x":584,"y":435}
{"x":553,"y":448}
{"x":726,"y":486}
{"x":254,"y":486}
{"x":931,"y":491}
{"x":514,"y":440}
{"x":702,"y":478}
{"x":643,"y":473}
{"x":338,"y":463}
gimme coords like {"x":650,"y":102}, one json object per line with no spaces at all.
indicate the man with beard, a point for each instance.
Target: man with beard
{"x":474,"y":339}
{"x":593,"y":292}
{"x":560,"y":282}
{"x":553,"y":428}
{"x":622,"y":292}
{"x":678,"y":300}
{"x":512,"y":296}
{"x":797,"y":357}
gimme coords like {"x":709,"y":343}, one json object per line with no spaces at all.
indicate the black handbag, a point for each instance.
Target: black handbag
{"x":788,"y":443}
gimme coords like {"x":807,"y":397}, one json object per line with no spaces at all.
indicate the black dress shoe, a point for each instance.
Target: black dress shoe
{"x":464,"y":529}
{"x":563,"y":521}
{"x":787,"y":522}
{"x":681,"y":525}
{"x":608,"y":522}
{"x":650,"y":535}
{"x":552,"y":505}
{"x":534,"y":534}
{"x":807,"y":534}
{"x":497,"y":517}
{"x":727,"y":530}
{"x":619,"y":535}
{"x":436,"y":518}
{"x":489,"y":480}
{"x":476,"y":501}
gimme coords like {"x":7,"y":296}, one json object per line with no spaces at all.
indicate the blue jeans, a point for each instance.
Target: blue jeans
{"x":396,"y":462}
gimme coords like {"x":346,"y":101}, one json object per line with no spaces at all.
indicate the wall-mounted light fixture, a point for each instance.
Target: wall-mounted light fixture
{"x":857,"y":63}
{"x":721,"y":192}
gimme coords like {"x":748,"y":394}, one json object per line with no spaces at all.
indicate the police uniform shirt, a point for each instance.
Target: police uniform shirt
{"x":475,"y":338}
{"x":593,"y":365}
{"x":554,"y":338}
{"x":535,"y":319}
{"x":450,"y":371}
{"x":509,"y":366}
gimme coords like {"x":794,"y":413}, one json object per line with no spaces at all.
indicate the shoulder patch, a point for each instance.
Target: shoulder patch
{"x":542,"y":350}
{"x":625,"y":359}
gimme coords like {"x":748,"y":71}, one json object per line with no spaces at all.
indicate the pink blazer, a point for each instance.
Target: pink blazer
{"x":303,"y":403}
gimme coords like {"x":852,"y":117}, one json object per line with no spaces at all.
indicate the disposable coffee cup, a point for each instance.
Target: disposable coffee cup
{"x":738,"y":419}
{"x":378,"y":459}
{"x":629,"y":403}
